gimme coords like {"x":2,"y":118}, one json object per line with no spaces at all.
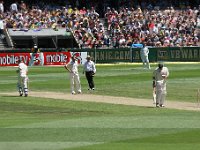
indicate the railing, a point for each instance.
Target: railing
{"x":8,"y":38}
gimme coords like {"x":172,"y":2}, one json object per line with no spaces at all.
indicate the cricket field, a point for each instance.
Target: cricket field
{"x":118,"y":115}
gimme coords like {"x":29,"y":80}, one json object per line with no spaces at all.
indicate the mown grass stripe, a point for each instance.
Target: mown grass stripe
{"x":42,"y":145}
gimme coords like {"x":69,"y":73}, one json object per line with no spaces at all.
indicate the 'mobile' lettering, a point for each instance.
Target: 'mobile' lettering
{"x":12,"y":59}
{"x":56,"y":58}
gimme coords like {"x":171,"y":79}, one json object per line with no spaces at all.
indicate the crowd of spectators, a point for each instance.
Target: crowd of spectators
{"x":159,"y":28}
{"x":153,"y":26}
{"x":83,"y":23}
{"x":87,"y":28}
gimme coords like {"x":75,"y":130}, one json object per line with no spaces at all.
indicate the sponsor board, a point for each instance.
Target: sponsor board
{"x":102,"y":56}
{"x":11,"y":59}
{"x":40,"y":59}
{"x":179,"y":54}
{"x":110,"y":55}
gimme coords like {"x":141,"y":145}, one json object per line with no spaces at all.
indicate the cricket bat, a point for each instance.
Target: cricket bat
{"x":154,"y":95}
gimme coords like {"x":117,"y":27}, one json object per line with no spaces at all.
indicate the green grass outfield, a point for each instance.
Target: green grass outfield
{"x":49,"y":124}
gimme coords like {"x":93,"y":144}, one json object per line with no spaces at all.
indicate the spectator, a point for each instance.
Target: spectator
{"x":1,"y":28}
{"x":23,"y":6}
{"x":14,"y":7}
{"x":1,"y":7}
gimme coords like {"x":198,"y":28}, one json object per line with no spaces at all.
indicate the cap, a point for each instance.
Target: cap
{"x":20,"y":60}
{"x":88,"y":57}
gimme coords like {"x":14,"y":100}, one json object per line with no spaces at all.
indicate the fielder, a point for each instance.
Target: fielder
{"x":72,"y":67}
{"x":144,"y":52}
{"x":22,"y":78}
{"x":160,"y":76}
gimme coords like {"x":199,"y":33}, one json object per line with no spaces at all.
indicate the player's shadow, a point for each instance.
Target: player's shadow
{"x":150,"y":107}
{"x":9,"y":96}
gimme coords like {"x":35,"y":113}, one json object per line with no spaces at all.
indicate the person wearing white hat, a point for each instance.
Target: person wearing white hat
{"x":89,"y":69}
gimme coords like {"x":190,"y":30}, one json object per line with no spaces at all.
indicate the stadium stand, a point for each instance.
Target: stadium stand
{"x":91,"y":24}
{"x":46,"y":38}
{"x":168,"y":27}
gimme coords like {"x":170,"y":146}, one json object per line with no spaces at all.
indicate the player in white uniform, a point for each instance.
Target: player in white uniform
{"x":22,"y":78}
{"x":144,"y":52}
{"x":72,"y":67}
{"x":160,"y":76}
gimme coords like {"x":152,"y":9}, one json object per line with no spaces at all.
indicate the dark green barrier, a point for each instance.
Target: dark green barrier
{"x":183,"y":54}
{"x":179,"y":54}
{"x":155,"y":54}
{"x":117,"y":55}
{"x":135,"y":55}
{"x":111,"y":55}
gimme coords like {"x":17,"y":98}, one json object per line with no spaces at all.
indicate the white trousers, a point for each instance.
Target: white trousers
{"x":22,"y":84}
{"x":145,"y":61}
{"x":75,"y":82}
{"x":161,"y":92}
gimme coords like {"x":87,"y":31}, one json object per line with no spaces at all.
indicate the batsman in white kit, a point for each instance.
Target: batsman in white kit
{"x":160,"y":76}
{"x":22,"y":78}
{"x":72,"y":67}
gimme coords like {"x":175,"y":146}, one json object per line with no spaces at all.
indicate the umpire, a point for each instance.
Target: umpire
{"x":89,"y":69}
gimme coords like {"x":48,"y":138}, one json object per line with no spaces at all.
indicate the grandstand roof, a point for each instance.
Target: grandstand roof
{"x":39,"y":33}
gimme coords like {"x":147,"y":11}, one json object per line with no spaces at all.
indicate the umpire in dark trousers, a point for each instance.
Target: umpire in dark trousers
{"x":89,"y":69}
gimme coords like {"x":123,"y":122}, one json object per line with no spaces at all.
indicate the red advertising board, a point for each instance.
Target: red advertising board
{"x":11,"y":59}
{"x":35,"y":59}
{"x":56,"y":58}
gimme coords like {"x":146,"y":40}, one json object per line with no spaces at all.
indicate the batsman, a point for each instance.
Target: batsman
{"x":160,"y":76}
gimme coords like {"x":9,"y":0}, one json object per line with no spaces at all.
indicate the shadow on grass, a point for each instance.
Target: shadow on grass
{"x":10,"y":96}
{"x":150,"y":107}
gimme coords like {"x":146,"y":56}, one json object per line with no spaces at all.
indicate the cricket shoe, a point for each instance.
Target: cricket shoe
{"x":162,"y":105}
{"x":73,"y":93}
{"x":79,"y":92}
{"x":157,"y":105}
{"x":20,"y":94}
{"x":25,"y":95}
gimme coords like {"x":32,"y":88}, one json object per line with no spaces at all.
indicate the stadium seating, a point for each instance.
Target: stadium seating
{"x":58,"y":26}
